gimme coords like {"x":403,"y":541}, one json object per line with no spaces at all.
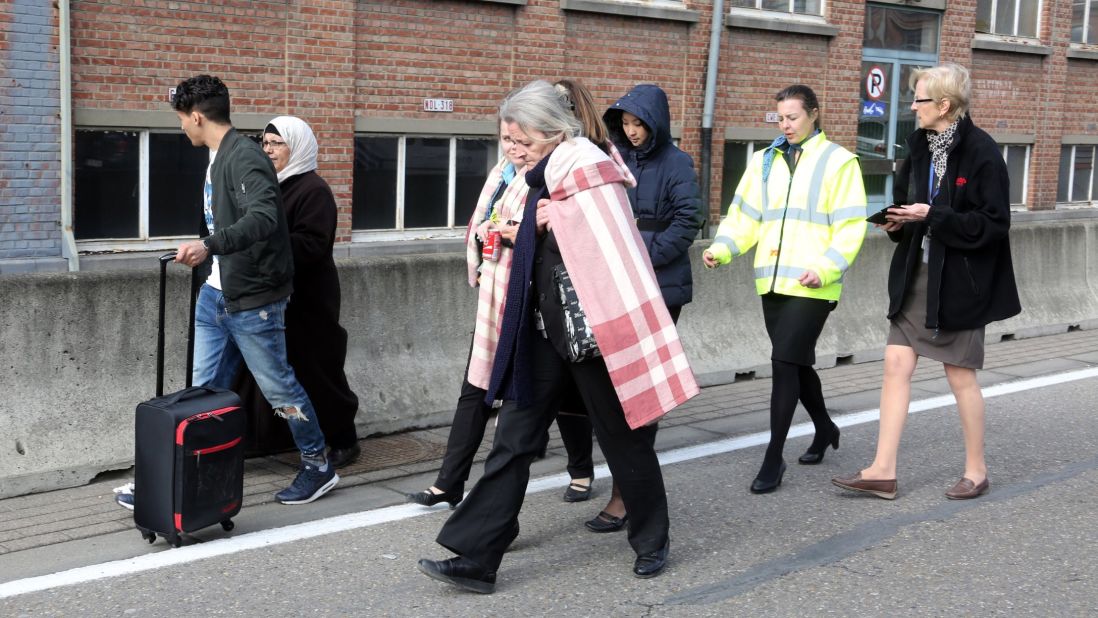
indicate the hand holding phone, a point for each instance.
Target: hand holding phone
{"x":879,"y":216}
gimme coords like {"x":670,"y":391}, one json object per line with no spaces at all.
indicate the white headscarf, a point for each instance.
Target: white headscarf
{"x":302,"y":143}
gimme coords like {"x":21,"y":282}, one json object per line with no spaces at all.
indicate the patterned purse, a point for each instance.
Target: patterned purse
{"x":581,"y":341}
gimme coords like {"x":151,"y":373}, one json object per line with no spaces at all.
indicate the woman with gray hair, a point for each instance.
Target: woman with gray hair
{"x":951,"y":273}
{"x":577,"y":233}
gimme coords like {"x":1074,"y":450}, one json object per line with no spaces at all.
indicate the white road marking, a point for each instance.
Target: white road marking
{"x":364,"y":519}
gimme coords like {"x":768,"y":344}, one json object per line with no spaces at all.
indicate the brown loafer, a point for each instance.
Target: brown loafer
{"x":967,"y":490}
{"x":881,"y":488}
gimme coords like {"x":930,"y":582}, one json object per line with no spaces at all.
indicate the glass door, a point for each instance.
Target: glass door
{"x":895,"y":42}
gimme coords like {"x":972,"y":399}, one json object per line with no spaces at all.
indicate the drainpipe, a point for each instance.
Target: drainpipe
{"x":707,"y":111}
{"x":68,"y":241}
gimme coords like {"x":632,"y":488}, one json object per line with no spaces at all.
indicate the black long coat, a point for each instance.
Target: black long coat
{"x":316,"y":344}
{"x":970,"y":273}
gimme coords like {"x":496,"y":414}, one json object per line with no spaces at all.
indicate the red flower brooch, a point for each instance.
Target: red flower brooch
{"x":961,"y":181}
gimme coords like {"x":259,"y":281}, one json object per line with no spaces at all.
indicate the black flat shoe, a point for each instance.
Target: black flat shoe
{"x":461,"y":572}
{"x":652,"y":564}
{"x":577,"y":492}
{"x":761,"y":486}
{"x":813,"y":455}
{"x":429,"y":498}
{"x":605,"y":522}
{"x":341,"y":457}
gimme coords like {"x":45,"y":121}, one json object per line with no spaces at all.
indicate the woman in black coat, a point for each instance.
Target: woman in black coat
{"x":666,"y":205}
{"x":951,"y":273}
{"x":316,"y":344}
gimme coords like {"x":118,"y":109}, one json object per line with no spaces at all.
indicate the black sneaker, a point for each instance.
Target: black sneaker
{"x":309,"y":485}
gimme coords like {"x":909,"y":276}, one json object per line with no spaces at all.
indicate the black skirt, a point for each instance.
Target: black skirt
{"x":794,"y":324}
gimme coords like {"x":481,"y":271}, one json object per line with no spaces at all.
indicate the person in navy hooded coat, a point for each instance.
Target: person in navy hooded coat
{"x":666,"y":200}
{"x":666,"y":204}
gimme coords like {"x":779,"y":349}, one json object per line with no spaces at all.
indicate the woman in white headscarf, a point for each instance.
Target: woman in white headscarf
{"x":315,"y":342}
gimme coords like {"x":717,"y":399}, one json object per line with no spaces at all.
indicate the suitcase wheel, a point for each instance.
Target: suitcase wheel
{"x":176,"y":542}
{"x":227,"y":525}
{"x":149,"y":536}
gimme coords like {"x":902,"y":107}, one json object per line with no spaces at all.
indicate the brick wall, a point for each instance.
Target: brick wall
{"x":30,"y":145}
{"x":332,"y":60}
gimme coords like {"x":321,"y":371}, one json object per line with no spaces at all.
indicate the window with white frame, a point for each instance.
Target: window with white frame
{"x":800,"y":7}
{"x":1077,"y":181}
{"x":1008,"y":17}
{"x":737,"y":156}
{"x":412,"y":182}
{"x":134,"y":186}
{"x":1084,"y":22}
{"x":1017,"y":160}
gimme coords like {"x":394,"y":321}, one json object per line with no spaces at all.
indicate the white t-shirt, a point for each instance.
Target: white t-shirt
{"x":214,"y":280}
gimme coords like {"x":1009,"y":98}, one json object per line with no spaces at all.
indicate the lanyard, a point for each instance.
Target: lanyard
{"x":931,"y":190}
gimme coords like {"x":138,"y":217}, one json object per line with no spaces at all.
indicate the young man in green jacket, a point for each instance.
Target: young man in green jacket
{"x":242,"y":305}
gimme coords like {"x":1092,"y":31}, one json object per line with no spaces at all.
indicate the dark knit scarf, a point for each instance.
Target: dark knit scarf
{"x":511,"y":367}
{"x":939,"y":150}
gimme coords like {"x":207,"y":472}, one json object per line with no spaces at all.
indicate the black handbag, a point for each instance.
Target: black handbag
{"x":580,"y":340}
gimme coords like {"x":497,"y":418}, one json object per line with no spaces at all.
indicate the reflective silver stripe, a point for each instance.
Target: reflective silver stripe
{"x":797,"y":214}
{"x":748,"y":209}
{"x":850,"y":212}
{"x":789,"y":272}
{"x":731,"y":244}
{"x":817,"y":177}
{"x":838,"y":258}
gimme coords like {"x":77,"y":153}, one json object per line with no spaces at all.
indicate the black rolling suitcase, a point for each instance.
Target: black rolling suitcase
{"x":189,"y":461}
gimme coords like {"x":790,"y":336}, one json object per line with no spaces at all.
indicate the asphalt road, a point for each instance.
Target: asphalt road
{"x":1027,"y":548}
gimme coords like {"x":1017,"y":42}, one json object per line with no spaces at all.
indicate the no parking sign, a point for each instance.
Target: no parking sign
{"x":875,"y":83}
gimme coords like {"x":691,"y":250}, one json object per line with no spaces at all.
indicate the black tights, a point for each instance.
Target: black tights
{"x":792,"y":383}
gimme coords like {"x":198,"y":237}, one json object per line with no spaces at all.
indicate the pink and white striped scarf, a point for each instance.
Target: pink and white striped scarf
{"x":593,"y":223}
{"x":493,"y":275}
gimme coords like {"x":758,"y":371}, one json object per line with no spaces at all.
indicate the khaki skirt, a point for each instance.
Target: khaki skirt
{"x":962,"y":348}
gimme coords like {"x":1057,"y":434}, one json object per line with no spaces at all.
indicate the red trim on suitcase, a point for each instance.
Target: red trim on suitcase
{"x":201,"y":416}
{"x":214,"y":449}
{"x":179,"y":522}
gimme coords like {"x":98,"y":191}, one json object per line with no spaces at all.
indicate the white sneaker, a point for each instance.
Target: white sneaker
{"x":124,"y":496}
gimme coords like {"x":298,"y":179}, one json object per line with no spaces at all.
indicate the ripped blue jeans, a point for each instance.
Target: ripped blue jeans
{"x":223,"y":339}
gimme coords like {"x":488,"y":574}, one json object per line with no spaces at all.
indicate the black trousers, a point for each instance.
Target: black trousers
{"x":478,"y":529}
{"x":471,"y":417}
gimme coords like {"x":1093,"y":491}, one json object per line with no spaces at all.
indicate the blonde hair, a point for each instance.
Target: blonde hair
{"x":949,"y":81}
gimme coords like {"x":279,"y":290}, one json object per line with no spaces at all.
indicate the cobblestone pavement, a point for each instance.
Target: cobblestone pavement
{"x":409,"y":459}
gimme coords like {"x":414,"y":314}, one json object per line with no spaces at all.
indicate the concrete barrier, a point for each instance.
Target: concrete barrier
{"x":78,"y":349}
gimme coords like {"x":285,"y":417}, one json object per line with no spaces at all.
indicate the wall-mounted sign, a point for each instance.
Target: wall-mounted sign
{"x":875,"y":83}
{"x":873,"y":109}
{"x":771,"y":116}
{"x":438,"y":105}
{"x":171,"y":94}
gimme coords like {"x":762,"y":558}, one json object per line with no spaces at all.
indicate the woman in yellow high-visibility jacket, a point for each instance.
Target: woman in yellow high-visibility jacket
{"x":802,"y":202}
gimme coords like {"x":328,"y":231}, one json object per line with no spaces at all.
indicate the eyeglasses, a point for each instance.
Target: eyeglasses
{"x":918,"y":101}
{"x":271,"y":144}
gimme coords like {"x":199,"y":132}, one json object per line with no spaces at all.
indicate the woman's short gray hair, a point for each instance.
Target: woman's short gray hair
{"x":541,"y":107}
{"x":948,"y":81}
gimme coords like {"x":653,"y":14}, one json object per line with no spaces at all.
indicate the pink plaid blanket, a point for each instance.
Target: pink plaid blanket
{"x":493,"y":275}
{"x":590,"y":215}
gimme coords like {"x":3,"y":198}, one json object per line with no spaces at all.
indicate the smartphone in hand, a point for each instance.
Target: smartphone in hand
{"x":879,"y":216}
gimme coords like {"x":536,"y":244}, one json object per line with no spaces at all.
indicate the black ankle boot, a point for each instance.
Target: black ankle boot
{"x":765,"y":483}
{"x":815,"y":453}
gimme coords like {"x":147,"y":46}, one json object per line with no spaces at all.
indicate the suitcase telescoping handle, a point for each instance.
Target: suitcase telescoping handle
{"x":164,"y":261}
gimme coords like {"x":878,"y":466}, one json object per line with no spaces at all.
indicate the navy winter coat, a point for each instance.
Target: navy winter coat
{"x":665,"y":201}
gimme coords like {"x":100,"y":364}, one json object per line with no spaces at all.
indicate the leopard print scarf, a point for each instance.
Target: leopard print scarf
{"x":939,"y":150}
